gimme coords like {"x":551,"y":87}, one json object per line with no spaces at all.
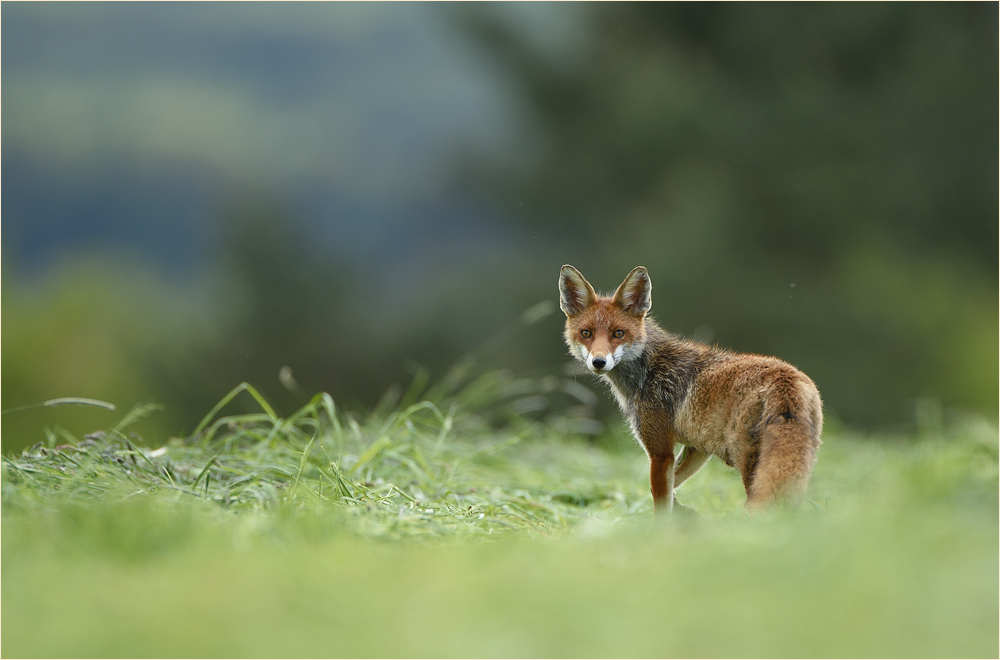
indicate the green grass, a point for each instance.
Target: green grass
{"x":452,"y":526}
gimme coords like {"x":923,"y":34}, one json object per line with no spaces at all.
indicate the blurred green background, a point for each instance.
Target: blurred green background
{"x":198,"y":195}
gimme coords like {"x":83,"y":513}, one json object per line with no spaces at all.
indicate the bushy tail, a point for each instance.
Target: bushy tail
{"x":789,"y":437}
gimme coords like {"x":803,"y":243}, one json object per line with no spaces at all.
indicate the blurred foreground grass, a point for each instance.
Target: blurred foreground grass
{"x":454,"y":526}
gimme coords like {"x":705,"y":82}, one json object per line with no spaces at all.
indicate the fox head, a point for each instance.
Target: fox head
{"x":603,"y":331}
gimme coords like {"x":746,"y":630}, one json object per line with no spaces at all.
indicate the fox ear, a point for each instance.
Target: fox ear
{"x":575,"y":292}
{"x":633,"y":296}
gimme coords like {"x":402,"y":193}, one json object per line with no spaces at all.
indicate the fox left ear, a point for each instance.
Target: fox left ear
{"x":633,"y":296}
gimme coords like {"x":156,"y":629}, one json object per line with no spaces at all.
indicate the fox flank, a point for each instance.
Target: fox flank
{"x":758,"y":414}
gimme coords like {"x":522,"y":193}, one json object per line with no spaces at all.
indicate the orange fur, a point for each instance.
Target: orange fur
{"x":758,"y":414}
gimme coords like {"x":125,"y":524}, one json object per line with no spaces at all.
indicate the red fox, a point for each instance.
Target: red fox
{"x":758,"y":414}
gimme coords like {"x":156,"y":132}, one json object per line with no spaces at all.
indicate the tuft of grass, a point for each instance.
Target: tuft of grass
{"x":394,"y":471}
{"x":451,"y":522}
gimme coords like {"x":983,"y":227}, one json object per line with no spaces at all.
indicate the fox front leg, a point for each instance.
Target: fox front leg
{"x":666,"y":474}
{"x":657,"y":435}
{"x":661,"y":481}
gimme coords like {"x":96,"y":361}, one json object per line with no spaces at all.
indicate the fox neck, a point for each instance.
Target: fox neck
{"x":630,"y":374}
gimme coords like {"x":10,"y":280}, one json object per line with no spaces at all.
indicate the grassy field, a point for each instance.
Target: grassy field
{"x":453,"y":526}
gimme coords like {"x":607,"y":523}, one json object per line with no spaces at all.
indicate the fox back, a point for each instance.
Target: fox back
{"x":757,"y":414}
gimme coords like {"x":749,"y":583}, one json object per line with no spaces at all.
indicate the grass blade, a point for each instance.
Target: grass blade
{"x":63,"y":401}
{"x":242,"y":387}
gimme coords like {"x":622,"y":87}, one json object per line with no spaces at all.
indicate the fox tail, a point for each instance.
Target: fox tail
{"x":789,"y":436}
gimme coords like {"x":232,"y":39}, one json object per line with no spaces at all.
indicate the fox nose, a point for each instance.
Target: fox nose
{"x":598,"y":362}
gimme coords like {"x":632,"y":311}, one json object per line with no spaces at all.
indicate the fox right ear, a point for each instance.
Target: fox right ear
{"x":575,"y":292}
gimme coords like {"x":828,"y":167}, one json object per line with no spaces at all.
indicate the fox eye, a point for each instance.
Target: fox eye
{"x":618,"y":334}
{"x":585,"y":334}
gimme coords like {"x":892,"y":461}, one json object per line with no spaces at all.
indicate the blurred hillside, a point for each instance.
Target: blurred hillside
{"x":817,"y":182}
{"x":196,"y":195}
